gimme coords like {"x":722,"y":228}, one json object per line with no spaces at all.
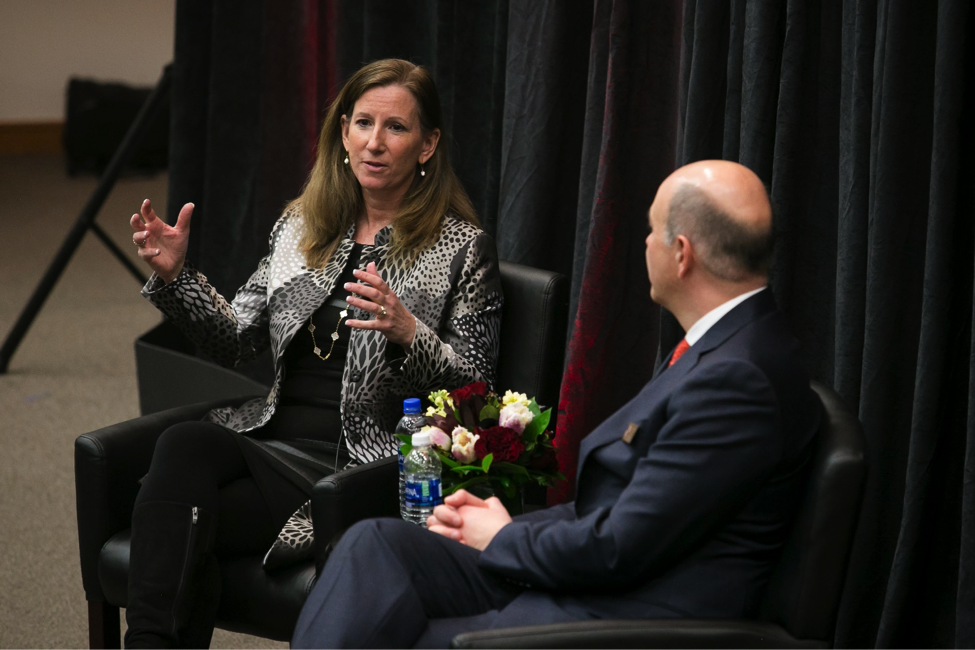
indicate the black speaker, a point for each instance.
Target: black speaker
{"x":98,"y":117}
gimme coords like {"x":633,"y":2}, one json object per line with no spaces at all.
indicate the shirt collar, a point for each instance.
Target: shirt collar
{"x":382,"y":237}
{"x":708,"y":320}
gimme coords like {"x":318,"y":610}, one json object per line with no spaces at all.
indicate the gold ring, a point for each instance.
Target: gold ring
{"x":382,"y":312}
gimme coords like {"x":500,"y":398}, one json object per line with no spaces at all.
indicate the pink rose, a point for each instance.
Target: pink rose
{"x":438,"y":438}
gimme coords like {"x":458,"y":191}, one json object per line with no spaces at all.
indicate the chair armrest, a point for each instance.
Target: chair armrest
{"x":660,"y":633}
{"x":342,"y":499}
{"x":108,"y":464}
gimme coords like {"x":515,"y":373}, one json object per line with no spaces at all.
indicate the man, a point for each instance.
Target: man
{"x":684,"y":495}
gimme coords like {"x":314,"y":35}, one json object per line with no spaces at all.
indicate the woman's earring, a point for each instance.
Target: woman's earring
{"x":422,"y":172}
{"x":346,"y":161}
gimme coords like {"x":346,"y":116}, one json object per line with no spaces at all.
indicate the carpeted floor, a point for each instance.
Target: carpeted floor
{"x":74,"y":372}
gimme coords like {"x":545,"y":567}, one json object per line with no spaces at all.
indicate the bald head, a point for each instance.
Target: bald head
{"x":723,"y":209}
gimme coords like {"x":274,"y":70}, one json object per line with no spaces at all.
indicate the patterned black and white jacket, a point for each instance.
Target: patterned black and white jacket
{"x":453,"y":289}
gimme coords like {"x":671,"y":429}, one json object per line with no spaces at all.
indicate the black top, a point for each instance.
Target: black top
{"x":312,"y":388}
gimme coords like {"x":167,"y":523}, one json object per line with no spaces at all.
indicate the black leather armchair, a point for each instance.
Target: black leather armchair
{"x":109,"y":463}
{"x":799,"y":610}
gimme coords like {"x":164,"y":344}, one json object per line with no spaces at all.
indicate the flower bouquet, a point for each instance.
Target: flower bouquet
{"x":490,"y":444}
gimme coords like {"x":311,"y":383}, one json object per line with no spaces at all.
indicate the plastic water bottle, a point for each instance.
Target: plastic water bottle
{"x":422,"y":467}
{"x":411,"y":422}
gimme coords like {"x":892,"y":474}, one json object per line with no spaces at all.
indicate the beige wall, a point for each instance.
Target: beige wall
{"x":44,"y":42}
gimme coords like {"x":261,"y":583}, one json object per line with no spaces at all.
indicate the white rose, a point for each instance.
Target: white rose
{"x":515,"y":416}
{"x":463,"y":449}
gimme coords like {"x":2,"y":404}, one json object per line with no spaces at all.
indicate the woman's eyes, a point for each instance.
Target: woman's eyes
{"x":364,"y":123}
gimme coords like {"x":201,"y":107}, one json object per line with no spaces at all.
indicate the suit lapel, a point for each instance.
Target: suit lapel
{"x":667,"y":377}
{"x":749,"y":311}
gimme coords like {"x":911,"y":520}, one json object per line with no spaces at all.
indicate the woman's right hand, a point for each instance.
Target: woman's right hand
{"x":161,"y":246}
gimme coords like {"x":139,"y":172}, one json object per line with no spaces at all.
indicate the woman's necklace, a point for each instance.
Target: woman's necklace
{"x":335,"y":336}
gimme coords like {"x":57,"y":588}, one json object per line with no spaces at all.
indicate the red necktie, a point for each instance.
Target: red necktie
{"x":679,"y":351}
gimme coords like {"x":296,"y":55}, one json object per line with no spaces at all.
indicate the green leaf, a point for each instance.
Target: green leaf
{"x":543,"y":419}
{"x":477,"y":480}
{"x":533,"y":407}
{"x":536,"y":427}
{"x":466,"y":469}
{"x":447,"y":460}
{"x":486,"y":463}
{"x":489,"y":413}
{"x":405,"y":438}
{"x":511,"y":468}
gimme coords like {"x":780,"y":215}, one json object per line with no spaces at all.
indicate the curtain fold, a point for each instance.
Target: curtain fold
{"x":962,"y":318}
{"x":929,"y":524}
{"x":542,"y":139}
{"x":852,"y":114}
{"x":613,"y":344}
{"x":464,"y":46}
{"x":250,"y":84}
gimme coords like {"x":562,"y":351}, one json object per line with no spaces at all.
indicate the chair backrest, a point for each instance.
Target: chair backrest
{"x":805,"y":588}
{"x":533,"y":327}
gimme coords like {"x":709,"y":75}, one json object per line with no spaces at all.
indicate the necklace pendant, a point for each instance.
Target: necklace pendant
{"x":311,"y":327}
{"x":343,"y":313}
{"x":335,"y":336}
{"x":318,"y":351}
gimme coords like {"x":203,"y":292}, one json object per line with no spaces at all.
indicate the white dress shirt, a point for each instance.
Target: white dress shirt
{"x":705,"y":322}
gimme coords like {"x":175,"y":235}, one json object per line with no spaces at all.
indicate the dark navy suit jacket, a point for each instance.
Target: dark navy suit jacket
{"x":688,"y":517}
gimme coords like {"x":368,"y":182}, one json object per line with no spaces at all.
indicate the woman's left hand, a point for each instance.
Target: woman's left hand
{"x":392,"y":319}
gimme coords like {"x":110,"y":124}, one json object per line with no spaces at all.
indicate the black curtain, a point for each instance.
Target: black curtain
{"x":463,"y":45}
{"x":565,"y":116}
{"x":251,"y":82}
{"x":854,"y":114}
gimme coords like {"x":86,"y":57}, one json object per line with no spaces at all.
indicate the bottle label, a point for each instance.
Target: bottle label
{"x":423,"y":494}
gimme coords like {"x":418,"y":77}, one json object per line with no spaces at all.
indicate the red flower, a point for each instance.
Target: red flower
{"x":469,"y":400}
{"x":465,"y":392}
{"x":504,"y":443}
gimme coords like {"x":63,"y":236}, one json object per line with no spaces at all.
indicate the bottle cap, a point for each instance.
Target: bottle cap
{"x":411,"y":406}
{"x":421,"y":439}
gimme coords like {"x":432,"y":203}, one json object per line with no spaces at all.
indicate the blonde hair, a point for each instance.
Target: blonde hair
{"x":332,"y":197}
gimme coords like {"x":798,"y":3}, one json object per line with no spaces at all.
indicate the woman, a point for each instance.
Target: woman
{"x":378,"y":286}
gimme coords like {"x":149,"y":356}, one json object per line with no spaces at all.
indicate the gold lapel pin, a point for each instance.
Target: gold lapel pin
{"x":630,"y":433}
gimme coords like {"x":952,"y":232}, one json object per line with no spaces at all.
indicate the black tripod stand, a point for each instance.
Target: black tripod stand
{"x":86,"y":220}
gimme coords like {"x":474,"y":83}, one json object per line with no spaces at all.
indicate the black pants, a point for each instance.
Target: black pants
{"x":201,"y":464}
{"x":393,"y":584}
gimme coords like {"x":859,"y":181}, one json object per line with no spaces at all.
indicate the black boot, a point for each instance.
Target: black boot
{"x":198,"y":630}
{"x":170,"y":552}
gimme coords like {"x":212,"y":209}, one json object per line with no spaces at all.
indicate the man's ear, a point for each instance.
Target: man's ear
{"x":683,"y":256}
